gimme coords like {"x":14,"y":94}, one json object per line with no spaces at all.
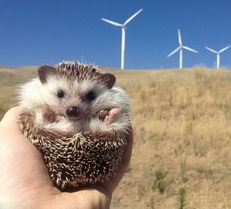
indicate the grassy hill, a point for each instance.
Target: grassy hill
{"x":182,"y":145}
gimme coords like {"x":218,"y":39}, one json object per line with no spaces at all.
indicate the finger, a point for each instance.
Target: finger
{"x":87,"y":198}
{"x":128,"y":151}
{"x":111,"y":185}
{"x":9,"y":121}
{"x":9,"y":128}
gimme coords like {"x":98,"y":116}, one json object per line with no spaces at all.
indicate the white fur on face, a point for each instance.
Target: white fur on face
{"x":34,"y":95}
{"x":30,"y":95}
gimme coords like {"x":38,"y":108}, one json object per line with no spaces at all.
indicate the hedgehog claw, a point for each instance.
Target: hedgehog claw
{"x":109,"y":115}
{"x":103,"y":114}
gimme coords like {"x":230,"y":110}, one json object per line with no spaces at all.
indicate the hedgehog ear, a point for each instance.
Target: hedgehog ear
{"x":45,"y":71}
{"x":108,"y":79}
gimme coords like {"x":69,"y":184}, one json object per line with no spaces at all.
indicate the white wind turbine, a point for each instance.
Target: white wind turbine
{"x":123,"y":28}
{"x":180,"y":48}
{"x":218,"y":53}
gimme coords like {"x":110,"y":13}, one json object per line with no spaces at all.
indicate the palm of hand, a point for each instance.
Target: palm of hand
{"x":25,"y":181}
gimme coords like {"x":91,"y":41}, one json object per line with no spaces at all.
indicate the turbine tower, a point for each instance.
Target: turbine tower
{"x":218,"y":53}
{"x":123,"y":28}
{"x":180,"y":49}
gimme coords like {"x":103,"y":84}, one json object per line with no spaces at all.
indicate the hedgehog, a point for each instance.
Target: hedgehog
{"x":78,"y":119}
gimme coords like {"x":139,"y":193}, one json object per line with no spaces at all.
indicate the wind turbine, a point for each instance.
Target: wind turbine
{"x":180,"y":49}
{"x":123,"y":28}
{"x":218,"y":53}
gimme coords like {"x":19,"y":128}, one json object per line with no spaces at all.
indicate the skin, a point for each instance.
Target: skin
{"x":105,"y":115}
{"x":24,"y":179}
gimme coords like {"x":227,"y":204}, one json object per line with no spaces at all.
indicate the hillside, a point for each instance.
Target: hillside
{"x":182,"y":125}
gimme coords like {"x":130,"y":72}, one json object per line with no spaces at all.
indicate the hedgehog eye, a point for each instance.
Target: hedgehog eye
{"x":60,"y":94}
{"x":93,"y":70}
{"x":90,"y":96}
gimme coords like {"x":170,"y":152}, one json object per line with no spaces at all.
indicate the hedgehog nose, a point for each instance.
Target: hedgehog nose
{"x":72,"y":111}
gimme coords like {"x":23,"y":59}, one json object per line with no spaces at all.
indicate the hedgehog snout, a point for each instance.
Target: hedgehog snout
{"x":72,"y":111}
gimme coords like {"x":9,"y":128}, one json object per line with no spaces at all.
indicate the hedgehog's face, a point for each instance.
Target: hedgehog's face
{"x":70,"y":98}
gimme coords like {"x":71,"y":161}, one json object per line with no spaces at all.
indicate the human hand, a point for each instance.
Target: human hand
{"x":25,"y":182}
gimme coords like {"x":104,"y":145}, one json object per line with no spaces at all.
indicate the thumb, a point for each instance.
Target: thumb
{"x":9,"y":121}
{"x":10,"y":133}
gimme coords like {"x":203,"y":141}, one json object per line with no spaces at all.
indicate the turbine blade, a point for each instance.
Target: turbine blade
{"x":218,"y":60}
{"x":133,"y":16}
{"x":190,"y":49}
{"x":211,"y":50}
{"x":122,"y":47}
{"x":174,"y":51}
{"x":112,"y":22}
{"x":179,"y":37}
{"x":227,"y":47}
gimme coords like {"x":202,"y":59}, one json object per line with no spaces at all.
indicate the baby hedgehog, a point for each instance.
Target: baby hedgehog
{"x":78,"y":120}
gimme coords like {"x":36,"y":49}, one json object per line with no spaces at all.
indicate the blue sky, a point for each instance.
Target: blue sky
{"x":49,"y":31}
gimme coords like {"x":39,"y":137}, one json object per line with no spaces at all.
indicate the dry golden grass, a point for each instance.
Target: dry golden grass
{"x":9,"y":79}
{"x":182,"y":126}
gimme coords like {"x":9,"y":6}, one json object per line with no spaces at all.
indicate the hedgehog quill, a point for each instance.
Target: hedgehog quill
{"x":78,"y":119}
